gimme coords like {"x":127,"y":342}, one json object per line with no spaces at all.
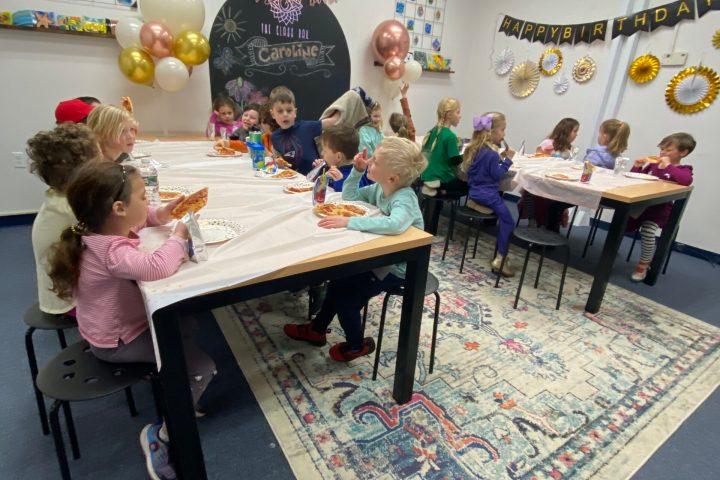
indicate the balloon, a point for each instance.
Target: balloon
{"x":390,"y":39}
{"x":156,"y":39}
{"x":127,"y":32}
{"x":413,"y":70}
{"x":177,"y":15}
{"x":392,"y":87}
{"x":192,"y":48}
{"x":394,"y":68}
{"x":171,"y":74}
{"x":137,"y":65}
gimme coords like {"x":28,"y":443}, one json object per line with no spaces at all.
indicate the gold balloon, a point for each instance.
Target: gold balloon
{"x":137,"y":65}
{"x":192,"y":48}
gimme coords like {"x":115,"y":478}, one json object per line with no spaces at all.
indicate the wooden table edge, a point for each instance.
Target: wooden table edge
{"x":645,"y":191}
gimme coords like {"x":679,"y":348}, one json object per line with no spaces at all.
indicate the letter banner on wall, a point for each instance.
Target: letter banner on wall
{"x":667,"y":15}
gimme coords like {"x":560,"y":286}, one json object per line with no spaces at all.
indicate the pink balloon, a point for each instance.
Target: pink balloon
{"x":156,"y":39}
{"x":390,"y":39}
{"x":394,"y":68}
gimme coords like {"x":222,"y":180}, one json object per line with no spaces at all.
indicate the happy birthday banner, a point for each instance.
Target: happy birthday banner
{"x":645,"y":21}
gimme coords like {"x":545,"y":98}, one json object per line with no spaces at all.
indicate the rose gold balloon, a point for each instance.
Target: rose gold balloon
{"x":390,"y":39}
{"x":394,"y":68}
{"x":156,"y":39}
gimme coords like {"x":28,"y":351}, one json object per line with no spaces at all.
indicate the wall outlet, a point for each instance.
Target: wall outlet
{"x":21,"y":160}
{"x":673,"y":59}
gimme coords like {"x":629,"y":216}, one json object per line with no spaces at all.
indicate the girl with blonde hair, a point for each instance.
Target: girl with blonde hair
{"x":116,"y":130}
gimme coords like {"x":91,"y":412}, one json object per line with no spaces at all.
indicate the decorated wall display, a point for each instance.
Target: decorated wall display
{"x":52,"y":21}
{"x":561,"y":84}
{"x":644,"y":68}
{"x":424,"y":20}
{"x":524,"y":79}
{"x":258,"y":45}
{"x":716,"y":39}
{"x":550,"y":61}
{"x":584,"y":69}
{"x":667,"y":15}
{"x":693,"y":89}
{"x":504,"y":61}
{"x":117,"y":3}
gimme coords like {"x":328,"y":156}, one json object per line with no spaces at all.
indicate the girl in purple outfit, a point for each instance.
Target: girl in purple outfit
{"x":612,"y":141}
{"x":673,"y":149}
{"x":485,"y":168}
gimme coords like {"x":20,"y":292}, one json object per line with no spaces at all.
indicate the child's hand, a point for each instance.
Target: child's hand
{"x":664,"y":162}
{"x":334,"y":173}
{"x":222,"y":143}
{"x":510,"y":153}
{"x":404,"y":89}
{"x":333,"y":222}
{"x":181,"y":230}
{"x":360,"y":161}
{"x":317,"y":162}
{"x":638,"y":163}
{"x":163,"y":213}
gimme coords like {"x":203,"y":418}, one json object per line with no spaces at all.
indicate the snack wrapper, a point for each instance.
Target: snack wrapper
{"x":320,"y":189}
{"x":315,"y":172}
{"x":197,"y":251}
{"x":586,"y":172}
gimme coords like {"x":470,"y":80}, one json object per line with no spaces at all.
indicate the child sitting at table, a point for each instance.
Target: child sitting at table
{"x":222,"y":121}
{"x":249,"y":120}
{"x":485,"y":168}
{"x":371,"y":135}
{"x":559,"y":142}
{"x":401,"y":124}
{"x":294,"y":140}
{"x":673,"y":149}
{"x":612,"y":141}
{"x":54,"y":157}
{"x":98,"y":263}
{"x":116,"y":130}
{"x":339,"y":146}
{"x":396,"y":164}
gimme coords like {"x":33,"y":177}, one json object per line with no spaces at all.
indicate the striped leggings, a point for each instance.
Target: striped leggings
{"x":647,"y":240}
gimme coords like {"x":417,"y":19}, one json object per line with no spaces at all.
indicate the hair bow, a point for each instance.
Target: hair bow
{"x":482,"y":123}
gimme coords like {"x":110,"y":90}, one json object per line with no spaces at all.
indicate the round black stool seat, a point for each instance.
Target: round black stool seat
{"x":474,"y":214}
{"x":540,"y":236}
{"x":76,"y":374}
{"x":431,"y":286}
{"x":36,"y":318}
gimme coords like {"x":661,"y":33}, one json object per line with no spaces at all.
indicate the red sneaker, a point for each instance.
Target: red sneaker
{"x":340,"y":353}
{"x":305,"y":333}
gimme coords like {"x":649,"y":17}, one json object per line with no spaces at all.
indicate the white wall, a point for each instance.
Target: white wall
{"x":38,"y":70}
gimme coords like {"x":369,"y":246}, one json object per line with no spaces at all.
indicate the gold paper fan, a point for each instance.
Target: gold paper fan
{"x":584,"y":69}
{"x":644,"y":68}
{"x":550,"y":61}
{"x":693,"y":89}
{"x":524,"y":79}
{"x":716,"y":39}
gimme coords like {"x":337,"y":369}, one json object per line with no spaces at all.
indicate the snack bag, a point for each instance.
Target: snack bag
{"x":586,"y":172}
{"x":315,"y":172}
{"x":196,"y":244}
{"x":320,"y":189}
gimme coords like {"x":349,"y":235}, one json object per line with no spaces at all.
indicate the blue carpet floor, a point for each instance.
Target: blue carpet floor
{"x":237,"y":440}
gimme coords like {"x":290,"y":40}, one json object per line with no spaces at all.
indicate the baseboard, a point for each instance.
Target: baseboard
{"x":15,"y":220}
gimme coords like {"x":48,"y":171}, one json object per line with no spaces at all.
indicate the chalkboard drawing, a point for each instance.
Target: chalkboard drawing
{"x":285,"y":11}
{"x":244,"y":92}
{"x":229,"y":26}
{"x":225,"y":61}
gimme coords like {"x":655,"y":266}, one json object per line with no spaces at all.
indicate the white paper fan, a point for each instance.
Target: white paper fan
{"x":561,"y":84}
{"x":692,"y":89}
{"x":550,"y":61}
{"x":504,"y":61}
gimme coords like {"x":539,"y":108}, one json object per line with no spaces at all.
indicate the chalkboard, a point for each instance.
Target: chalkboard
{"x":258,"y":45}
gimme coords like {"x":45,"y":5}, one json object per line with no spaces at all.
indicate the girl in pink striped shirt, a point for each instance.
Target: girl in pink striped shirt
{"x":97,"y":262}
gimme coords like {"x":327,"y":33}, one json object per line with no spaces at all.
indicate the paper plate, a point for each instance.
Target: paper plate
{"x":565,"y":177}
{"x":325,"y":209}
{"x":640,"y":176}
{"x":280,"y":175}
{"x":171,"y":192}
{"x":213,"y":153}
{"x":298,"y":187}
{"x":218,"y":230}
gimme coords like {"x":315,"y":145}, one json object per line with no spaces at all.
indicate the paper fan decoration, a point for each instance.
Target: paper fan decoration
{"x":693,"y":89}
{"x":561,"y":84}
{"x":504,"y":61}
{"x":716,"y":39}
{"x":524,"y":79}
{"x":584,"y":69}
{"x":644,"y":68}
{"x":550,"y":61}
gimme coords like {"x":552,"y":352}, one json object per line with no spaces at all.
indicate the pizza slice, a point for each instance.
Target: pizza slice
{"x":195,"y":202}
{"x":127,"y":104}
{"x":224,"y":151}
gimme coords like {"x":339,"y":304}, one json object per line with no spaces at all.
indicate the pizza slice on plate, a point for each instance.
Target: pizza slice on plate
{"x":194,"y":202}
{"x":224,"y":151}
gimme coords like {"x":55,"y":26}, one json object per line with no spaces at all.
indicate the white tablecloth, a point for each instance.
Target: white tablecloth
{"x":281,"y":228}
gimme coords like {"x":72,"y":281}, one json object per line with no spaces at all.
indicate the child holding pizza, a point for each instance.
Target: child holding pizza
{"x":397,"y":162}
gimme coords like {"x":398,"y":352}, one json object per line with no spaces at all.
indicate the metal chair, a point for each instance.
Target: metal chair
{"x":542,"y":238}
{"x":36,"y":319}
{"x":75,"y":374}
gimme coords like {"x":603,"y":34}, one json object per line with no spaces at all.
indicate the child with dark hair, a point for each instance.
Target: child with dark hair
{"x":249,"y":121}
{"x":559,"y":142}
{"x":92,"y":101}
{"x":339,"y":147}
{"x":222,"y":121}
{"x":401,"y":124}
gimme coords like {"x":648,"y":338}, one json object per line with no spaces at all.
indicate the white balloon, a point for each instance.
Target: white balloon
{"x":177,"y":15}
{"x":127,"y":32}
{"x":392,"y":87}
{"x":413,"y":70}
{"x":171,"y":74}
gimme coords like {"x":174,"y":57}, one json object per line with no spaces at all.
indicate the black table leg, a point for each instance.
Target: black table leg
{"x":607,"y":258}
{"x":185,"y":446}
{"x":669,"y":232}
{"x":410,"y":320}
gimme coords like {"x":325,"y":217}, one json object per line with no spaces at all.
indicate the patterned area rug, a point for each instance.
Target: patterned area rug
{"x":532,"y":393}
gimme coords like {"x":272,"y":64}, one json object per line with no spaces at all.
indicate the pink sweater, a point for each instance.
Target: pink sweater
{"x":109,"y":304}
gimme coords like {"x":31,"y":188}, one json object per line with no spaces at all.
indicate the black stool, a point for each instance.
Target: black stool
{"x":632,"y":247}
{"x":542,"y":238}
{"x":474,"y":219}
{"x":75,"y":374}
{"x":36,"y":319}
{"x":432,"y":204}
{"x":431,"y":286}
